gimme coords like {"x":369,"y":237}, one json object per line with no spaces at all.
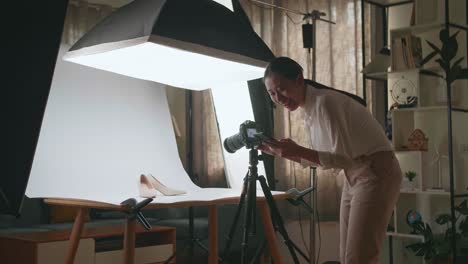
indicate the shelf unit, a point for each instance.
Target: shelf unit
{"x":441,"y":121}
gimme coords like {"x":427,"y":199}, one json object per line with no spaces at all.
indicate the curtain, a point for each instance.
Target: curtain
{"x":339,"y":61}
{"x":81,"y":17}
{"x":208,"y":162}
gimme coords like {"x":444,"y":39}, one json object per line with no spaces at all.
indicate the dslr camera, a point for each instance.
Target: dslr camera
{"x":250,"y":135}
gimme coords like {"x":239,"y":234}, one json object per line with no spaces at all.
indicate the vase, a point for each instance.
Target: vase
{"x":407,"y":185}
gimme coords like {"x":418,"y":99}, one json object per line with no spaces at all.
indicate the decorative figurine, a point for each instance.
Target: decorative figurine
{"x":417,"y":141}
{"x":441,"y":158}
{"x":414,"y":219}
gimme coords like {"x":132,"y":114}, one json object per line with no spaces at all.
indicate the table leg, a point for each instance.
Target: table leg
{"x":75,"y":235}
{"x":129,"y":241}
{"x":270,"y":233}
{"x":213,"y":233}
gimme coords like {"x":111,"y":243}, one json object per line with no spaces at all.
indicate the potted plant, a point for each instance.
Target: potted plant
{"x":448,"y":51}
{"x":409,"y":177}
{"x":436,"y":247}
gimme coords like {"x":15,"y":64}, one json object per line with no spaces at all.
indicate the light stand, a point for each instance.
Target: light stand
{"x":314,"y":16}
{"x":248,"y":197}
{"x":309,"y":40}
{"x":192,"y":241}
{"x":309,"y":35}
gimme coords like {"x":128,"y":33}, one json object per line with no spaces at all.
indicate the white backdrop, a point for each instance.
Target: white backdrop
{"x":100,"y":132}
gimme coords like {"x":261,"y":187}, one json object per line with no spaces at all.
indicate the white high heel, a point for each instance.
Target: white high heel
{"x":161,"y":187}
{"x":146,"y":188}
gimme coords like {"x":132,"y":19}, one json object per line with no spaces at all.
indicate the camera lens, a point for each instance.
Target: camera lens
{"x":233,"y":143}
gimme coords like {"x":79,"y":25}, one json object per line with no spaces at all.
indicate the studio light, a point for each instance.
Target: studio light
{"x":196,"y":44}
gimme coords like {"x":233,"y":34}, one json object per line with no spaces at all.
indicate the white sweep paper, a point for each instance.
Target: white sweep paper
{"x":100,"y":132}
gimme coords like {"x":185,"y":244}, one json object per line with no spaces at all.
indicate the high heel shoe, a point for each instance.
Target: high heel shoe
{"x":146,"y":188}
{"x":161,"y":187}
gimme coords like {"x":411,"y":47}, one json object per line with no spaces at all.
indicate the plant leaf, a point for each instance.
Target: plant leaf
{"x":442,"y":64}
{"x":443,"y":35}
{"x":428,"y":72}
{"x":449,"y":48}
{"x":464,"y":227}
{"x":415,"y":247}
{"x":457,"y":62}
{"x":429,"y":57}
{"x":463,"y":74}
{"x":454,"y":73}
{"x":443,"y":219}
{"x":419,"y":227}
{"x":434,"y":47}
{"x":419,"y":249}
{"x":462,"y":208}
{"x":428,"y":233}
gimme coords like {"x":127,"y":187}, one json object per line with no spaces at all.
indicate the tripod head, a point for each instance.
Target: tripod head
{"x":133,"y":210}
{"x":296,"y":197}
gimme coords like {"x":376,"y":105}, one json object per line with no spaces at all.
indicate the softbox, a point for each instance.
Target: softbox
{"x":192,"y":44}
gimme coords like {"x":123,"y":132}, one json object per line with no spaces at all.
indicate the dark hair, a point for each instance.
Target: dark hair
{"x":283,"y":66}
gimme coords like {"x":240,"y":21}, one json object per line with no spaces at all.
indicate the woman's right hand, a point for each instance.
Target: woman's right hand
{"x":269,"y":146}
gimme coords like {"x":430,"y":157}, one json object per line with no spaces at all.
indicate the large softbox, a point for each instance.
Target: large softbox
{"x":193,"y":44}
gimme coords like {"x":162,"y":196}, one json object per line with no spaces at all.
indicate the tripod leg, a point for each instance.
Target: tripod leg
{"x":304,"y":255}
{"x":270,"y":233}
{"x":213,"y":225}
{"x":300,"y":252}
{"x":232,"y":229}
{"x":259,"y":252}
{"x":251,"y":196}
{"x":276,"y":215}
{"x":191,"y":248}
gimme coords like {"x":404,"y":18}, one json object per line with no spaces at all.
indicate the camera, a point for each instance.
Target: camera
{"x":250,"y":135}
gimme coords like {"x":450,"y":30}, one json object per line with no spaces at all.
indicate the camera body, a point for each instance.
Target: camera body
{"x":250,"y":135}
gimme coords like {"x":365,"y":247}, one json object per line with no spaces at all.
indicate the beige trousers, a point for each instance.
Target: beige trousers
{"x":370,"y":192}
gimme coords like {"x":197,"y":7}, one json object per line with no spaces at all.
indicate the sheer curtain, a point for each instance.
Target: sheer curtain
{"x":339,"y":61}
{"x":81,"y":17}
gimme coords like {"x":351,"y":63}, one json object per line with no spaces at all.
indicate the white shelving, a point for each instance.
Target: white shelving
{"x":429,"y":194}
{"x":394,"y":234}
{"x":425,"y":192}
{"x":430,"y":115}
{"x":418,"y":29}
{"x":388,"y":2}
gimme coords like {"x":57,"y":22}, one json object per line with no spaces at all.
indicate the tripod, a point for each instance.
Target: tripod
{"x":248,"y":197}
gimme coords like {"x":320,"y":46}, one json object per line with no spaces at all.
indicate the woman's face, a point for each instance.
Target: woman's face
{"x":288,"y":93}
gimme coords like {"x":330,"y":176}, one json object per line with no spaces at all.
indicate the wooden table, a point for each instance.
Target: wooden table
{"x":129,"y":235}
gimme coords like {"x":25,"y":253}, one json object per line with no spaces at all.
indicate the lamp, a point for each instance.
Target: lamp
{"x":380,"y":63}
{"x":196,"y":44}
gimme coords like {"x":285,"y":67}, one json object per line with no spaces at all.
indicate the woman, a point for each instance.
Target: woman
{"x":343,"y":135}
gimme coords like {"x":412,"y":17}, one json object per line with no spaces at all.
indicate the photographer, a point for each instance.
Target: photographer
{"x":343,"y":134}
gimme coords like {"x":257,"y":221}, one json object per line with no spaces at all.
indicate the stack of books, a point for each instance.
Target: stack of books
{"x":406,"y":52}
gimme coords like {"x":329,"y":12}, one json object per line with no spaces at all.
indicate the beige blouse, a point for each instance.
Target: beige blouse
{"x":341,"y":129}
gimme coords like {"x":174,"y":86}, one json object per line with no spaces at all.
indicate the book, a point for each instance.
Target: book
{"x":406,"y":52}
{"x":398,"y":62}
